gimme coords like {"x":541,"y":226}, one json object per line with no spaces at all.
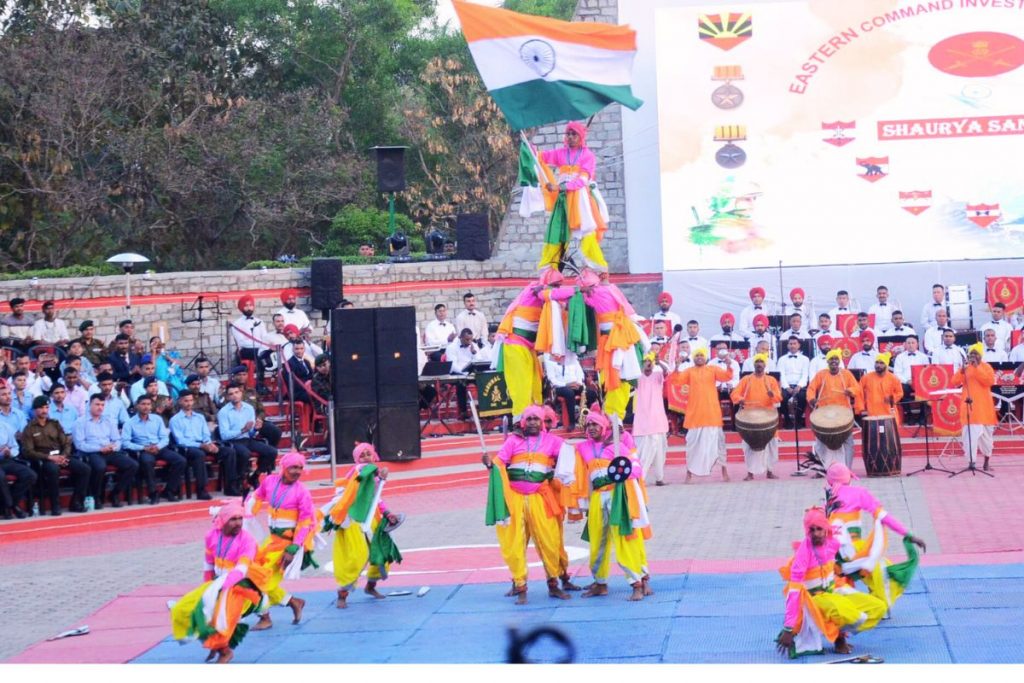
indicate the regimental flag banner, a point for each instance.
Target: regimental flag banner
{"x":725,"y":31}
{"x":839,"y":132}
{"x":931,"y":382}
{"x":1007,"y":290}
{"x":916,"y":201}
{"x":983,"y":215}
{"x":847,"y":323}
{"x":678,"y":395}
{"x":493,"y":394}
{"x":848,"y":347}
{"x":873,"y":169}
{"x":1016,"y":337}
{"x":541,"y":70}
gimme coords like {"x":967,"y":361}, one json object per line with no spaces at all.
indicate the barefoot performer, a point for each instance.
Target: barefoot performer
{"x":705,"y":440}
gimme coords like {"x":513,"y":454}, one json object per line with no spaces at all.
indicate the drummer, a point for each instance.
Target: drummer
{"x":759,"y":390}
{"x":835,"y":386}
{"x":882,"y":390}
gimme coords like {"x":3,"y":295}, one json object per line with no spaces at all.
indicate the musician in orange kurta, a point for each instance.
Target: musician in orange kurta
{"x":835,"y":386}
{"x":759,"y":390}
{"x":705,"y":441}
{"x":882,"y":390}
{"x":977,"y":412}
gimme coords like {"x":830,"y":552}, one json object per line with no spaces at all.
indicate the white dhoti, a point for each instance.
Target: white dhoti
{"x":652,"y":449}
{"x":977,"y":438}
{"x":829,"y":456}
{"x":705,"y":448}
{"x":759,"y":462}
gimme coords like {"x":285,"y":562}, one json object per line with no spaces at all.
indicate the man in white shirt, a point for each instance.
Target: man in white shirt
{"x":999,"y":324}
{"x":148,"y":369}
{"x":761,"y":333}
{"x":310,"y":351}
{"x":439,"y":333}
{"x":949,"y":353}
{"x":462,"y":352}
{"x":933,"y":335}
{"x":898,"y":328}
{"x":824,"y":343}
{"x":864,"y":327}
{"x":937,"y":303}
{"x":727,"y":320}
{"x":1017,"y":352}
{"x":882,"y":311}
{"x":796,"y":328}
{"x":793,"y":376}
{"x":277,"y":339}
{"x":487,"y":349}
{"x":797,"y":298}
{"x":207,"y":384}
{"x":720,"y":361}
{"x":664,"y":304}
{"x":904,"y":363}
{"x":291,"y":314}
{"x":693,"y":335}
{"x":842,"y":307}
{"x":756,"y":307}
{"x":763,"y":346}
{"x":247,"y":331}
{"x":49,"y":329}
{"x":993,"y":351}
{"x":825,"y":327}
{"x":472,"y":319}
{"x":660,"y":332}
{"x":864,"y":360}
{"x":567,"y":380}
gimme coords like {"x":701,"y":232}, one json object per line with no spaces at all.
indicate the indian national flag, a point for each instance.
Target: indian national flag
{"x":541,"y":70}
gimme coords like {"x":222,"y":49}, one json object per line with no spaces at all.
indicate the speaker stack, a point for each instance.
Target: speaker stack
{"x":376,"y":389}
{"x":472,"y":236}
{"x":325,"y":284}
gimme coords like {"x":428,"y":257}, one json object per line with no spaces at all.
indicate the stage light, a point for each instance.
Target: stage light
{"x":398,"y":247}
{"x":355,"y":356}
{"x":127,"y":261}
{"x":398,"y":354}
{"x":435,"y":244}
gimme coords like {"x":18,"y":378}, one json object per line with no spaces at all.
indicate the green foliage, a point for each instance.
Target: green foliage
{"x":69,"y":271}
{"x":354,"y":225}
{"x":557,"y":9}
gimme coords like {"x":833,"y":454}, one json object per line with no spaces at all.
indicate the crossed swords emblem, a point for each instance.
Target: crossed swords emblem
{"x":982,"y":55}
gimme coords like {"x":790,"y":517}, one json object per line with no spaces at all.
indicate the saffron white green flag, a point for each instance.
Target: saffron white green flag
{"x":541,"y":70}
{"x":530,"y":175}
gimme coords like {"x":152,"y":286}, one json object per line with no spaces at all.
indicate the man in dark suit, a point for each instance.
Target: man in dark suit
{"x":124,"y":363}
{"x":301,"y":370}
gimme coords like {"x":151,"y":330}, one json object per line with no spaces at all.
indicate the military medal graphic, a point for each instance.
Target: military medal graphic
{"x":730,"y":156}
{"x":727,"y":96}
{"x":725,"y":31}
{"x":983,"y":215}
{"x":873,"y":168}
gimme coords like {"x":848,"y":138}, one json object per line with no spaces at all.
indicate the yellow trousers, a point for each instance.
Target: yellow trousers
{"x":852,"y":609}
{"x":522,"y":377}
{"x":630,"y":551}
{"x":528,"y":518}
{"x":615,"y":401}
{"x":590,"y":248}
{"x":269,"y":556}
{"x":239,"y":600}
{"x":351,"y":554}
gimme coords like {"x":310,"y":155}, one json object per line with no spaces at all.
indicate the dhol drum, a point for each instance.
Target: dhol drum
{"x":757,"y":426}
{"x":832,"y":425}
{"x":883,"y":454}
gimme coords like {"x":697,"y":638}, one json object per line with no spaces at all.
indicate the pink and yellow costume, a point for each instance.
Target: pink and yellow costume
{"x":522,"y":504}
{"x":577,"y":208}
{"x":233,"y":586}
{"x":617,"y":518}
{"x":618,"y":351}
{"x":291,"y":522}
{"x":816,"y":608}
{"x":862,"y":555}
{"x":358,"y":518}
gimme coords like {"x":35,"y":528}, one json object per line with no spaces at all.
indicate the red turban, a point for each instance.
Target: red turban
{"x":797,"y":290}
{"x":287,"y":294}
{"x":727,"y":317}
{"x":761,"y":318}
{"x":290,"y":328}
{"x":665,"y":296}
{"x":867,"y":334}
{"x":247,"y":299}
{"x":825,"y":338}
{"x":758,"y":291}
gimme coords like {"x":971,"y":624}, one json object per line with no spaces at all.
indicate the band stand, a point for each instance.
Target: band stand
{"x":928,"y":467}
{"x":970,"y":450}
{"x":808,"y":463}
{"x":1010,"y":420}
{"x":194,"y":313}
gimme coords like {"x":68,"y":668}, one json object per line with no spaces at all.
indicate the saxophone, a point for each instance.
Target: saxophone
{"x":583,"y":411}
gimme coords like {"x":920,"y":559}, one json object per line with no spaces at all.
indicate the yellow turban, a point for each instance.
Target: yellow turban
{"x":763,"y":357}
{"x":978,"y":348}
{"x":699,"y":351}
{"x":834,"y":353}
{"x":883,"y":358}
{"x":650,"y":356}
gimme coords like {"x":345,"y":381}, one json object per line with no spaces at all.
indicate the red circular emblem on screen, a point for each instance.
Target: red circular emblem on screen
{"x":982,"y":53}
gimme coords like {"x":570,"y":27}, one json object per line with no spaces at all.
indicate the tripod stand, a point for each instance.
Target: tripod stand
{"x":925,"y":412}
{"x":193,"y":313}
{"x":792,"y":405}
{"x":970,"y":448}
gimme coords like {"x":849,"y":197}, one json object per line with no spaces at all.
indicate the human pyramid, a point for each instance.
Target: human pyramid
{"x":538,"y":481}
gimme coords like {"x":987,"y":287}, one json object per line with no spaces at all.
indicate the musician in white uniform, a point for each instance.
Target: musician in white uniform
{"x":756,"y":307}
{"x":864,"y":327}
{"x":842,"y":307}
{"x":864,"y":360}
{"x":938,"y":303}
{"x":761,"y":347}
{"x":933,"y":335}
{"x":664,"y":312}
{"x":899,"y":328}
{"x":693,"y":335}
{"x":1001,"y":326}
{"x":882,"y":310}
{"x":949,"y":353}
{"x":993,"y":352}
{"x":794,"y":370}
{"x":760,"y":332}
{"x":799,"y":305}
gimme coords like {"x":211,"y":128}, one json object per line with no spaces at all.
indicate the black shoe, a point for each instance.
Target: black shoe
{"x":115,"y":503}
{"x":8,"y":515}
{"x":20,"y":514}
{"x":55,"y":512}
{"x":154,"y":499}
{"x":203,"y":495}
{"x":77,"y":507}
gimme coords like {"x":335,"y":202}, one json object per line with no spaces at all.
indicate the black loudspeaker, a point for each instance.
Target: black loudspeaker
{"x":353,"y":354}
{"x":397,"y":382}
{"x":325,"y":283}
{"x":472,"y":236}
{"x":353,"y":424}
{"x":399,"y":431}
{"x":390,"y":169}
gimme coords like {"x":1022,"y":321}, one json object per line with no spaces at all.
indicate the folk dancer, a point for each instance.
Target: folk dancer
{"x":650,"y":423}
{"x":233,"y":587}
{"x":705,"y":440}
{"x":292,"y":524}
{"x":361,"y":522}
{"x":759,"y":390}
{"x":816,"y":609}
{"x":835,"y":386}
{"x":977,"y":412}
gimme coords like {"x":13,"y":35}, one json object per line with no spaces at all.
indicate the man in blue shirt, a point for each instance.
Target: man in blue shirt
{"x":113,"y":406}
{"x":192,"y":435}
{"x":60,"y":411}
{"x":236,"y":423}
{"x":25,"y":478}
{"x":146,"y":438}
{"x":98,"y":443}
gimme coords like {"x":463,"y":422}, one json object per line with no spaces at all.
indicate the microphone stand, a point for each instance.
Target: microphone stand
{"x":925,"y":410}
{"x":970,"y":447}
{"x":796,"y":435}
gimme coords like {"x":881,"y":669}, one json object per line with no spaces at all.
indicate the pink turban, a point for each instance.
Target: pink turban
{"x":797,"y":290}
{"x":727,"y":318}
{"x":363,"y":447}
{"x":551,"y":276}
{"x":291,"y":460}
{"x":599,"y":418}
{"x":756,"y":291}
{"x":839,"y":475}
{"x":816,"y":517}
{"x":589,"y":278}
{"x":550,"y":414}
{"x":665,"y":296}
{"x":226,"y":512}
{"x":531,"y":411}
{"x":760,"y":318}
{"x":580,"y":129}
